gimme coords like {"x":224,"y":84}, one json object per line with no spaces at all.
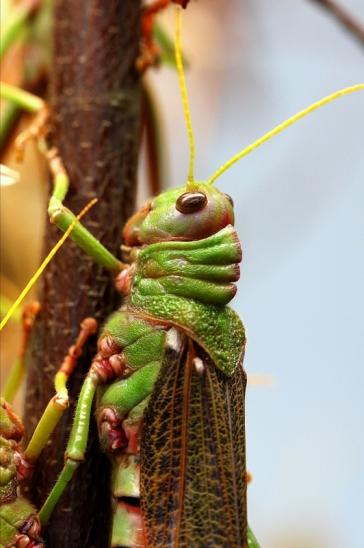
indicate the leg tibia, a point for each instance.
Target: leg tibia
{"x":76,"y":446}
{"x":59,"y":403}
{"x":63,"y":218}
{"x":61,"y":484}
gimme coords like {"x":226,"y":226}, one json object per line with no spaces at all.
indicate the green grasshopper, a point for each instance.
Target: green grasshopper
{"x":168,"y":378}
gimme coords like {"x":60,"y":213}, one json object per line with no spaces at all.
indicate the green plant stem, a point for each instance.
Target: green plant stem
{"x":14,"y":380}
{"x":16,"y":25}
{"x":8,"y":116}
{"x":166,"y":44}
{"x":21,"y":98}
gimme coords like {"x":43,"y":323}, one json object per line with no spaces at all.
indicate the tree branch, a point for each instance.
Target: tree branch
{"x":95,"y":122}
{"x":346,"y":19}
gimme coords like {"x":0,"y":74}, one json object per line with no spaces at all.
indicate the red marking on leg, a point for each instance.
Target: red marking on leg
{"x":111,"y":434}
{"x":108,"y":369}
{"x":108,"y":346}
{"x":123,"y":281}
{"x":132,"y":435}
{"x":24,"y":467}
{"x":28,"y":536}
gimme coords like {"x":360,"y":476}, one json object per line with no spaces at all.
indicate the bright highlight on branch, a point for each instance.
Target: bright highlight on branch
{"x":284,"y":125}
{"x":44,"y":264}
{"x":8,"y":176}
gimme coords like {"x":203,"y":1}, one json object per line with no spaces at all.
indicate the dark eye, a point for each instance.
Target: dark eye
{"x":230,"y":199}
{"x":190,"y":202}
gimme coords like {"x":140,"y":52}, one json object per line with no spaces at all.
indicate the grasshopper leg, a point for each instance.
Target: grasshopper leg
{"x":99,"y":372}
{"x":122,"y":396}
{"x":63,"y":217}
{"x":58,"y":213}
{"x":59,"y":403}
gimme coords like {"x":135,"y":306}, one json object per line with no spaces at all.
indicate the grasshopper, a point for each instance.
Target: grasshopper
{"x":168,"y":377}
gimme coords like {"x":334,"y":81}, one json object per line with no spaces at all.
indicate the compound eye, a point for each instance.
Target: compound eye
{"x":191,"y":202}
{"x":230,"y":199}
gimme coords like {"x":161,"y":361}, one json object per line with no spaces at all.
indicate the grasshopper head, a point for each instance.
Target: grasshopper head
{"x":180,"y":215}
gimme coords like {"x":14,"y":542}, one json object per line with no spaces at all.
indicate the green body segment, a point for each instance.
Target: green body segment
{"x":125,"y":477}
{"x":203,"y":317}
{"x":125,"y":394}
{"x":18,"y":517}
{"x":142,"y":345}
{"x":140,"y":341}
{"x":12,"y":517}
{"x":189,"y":302}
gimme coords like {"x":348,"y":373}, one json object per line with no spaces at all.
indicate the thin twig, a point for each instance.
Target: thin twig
{"x":346,"y":19}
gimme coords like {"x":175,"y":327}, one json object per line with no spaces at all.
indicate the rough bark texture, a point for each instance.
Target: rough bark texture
{"x":96,"y":107}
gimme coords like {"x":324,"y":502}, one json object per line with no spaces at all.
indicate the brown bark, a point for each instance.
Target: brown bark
{"x":95,"y":119}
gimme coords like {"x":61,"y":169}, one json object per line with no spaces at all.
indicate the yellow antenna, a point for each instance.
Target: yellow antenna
{"x":182,"y":83}
{"x":47,"y":260}
{"x":282,"y":127}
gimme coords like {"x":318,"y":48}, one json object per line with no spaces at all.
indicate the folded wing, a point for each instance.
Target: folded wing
{"x":193,"y":481}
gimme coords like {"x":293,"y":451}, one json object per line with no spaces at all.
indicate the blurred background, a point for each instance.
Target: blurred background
{"x":299,"y":213}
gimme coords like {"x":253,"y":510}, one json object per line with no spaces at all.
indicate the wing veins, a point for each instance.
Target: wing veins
{"x":219,"y":445}
{"x":184,"y":436}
